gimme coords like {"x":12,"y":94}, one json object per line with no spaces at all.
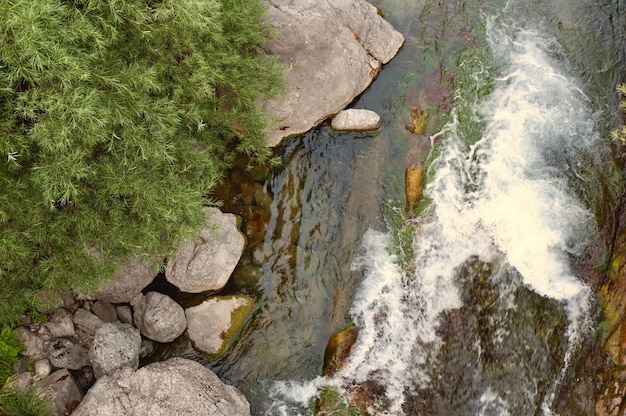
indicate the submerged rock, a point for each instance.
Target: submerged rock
{"x":174,"y":387}
{"x":418,"y":120}
{"x":206,"y":265}
{"x":212,"y":324}
{"x":413,"y":187}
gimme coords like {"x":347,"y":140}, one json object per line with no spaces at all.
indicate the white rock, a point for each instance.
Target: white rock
{"x":124,"y":314}
{"x":62,"y":389}
{"x":87,"y":321}
{"x":356,"y":120}
{"x":33,"y":345}
{"x":104,"y":310}
{"x":42,"y":368}
{"x":63,"y":353}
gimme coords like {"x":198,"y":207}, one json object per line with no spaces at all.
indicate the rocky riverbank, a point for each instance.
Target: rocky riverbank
{"x":87,"y":356}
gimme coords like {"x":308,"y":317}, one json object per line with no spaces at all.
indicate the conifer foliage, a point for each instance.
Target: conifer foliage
{"x":117,"y":117}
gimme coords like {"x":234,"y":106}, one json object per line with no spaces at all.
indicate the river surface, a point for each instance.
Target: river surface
{"x":479,"y":305}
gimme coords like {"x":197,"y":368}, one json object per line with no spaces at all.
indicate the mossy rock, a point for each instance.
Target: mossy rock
{"x":331,"y":403}
{"x":208,"y":328}
{"x":338,"y":349}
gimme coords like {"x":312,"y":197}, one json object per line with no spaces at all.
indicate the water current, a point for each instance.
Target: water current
{"x":487,"y":313}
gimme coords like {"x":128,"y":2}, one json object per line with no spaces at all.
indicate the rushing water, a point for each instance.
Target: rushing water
{"x":496,"y":300}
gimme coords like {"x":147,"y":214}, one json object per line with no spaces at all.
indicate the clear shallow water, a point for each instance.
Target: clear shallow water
{"x":493,"y":309}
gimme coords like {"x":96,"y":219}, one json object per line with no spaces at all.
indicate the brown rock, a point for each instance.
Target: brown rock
{"x":413,"y":186}
{"x":338,"y":349}
{"x":417,"y":124}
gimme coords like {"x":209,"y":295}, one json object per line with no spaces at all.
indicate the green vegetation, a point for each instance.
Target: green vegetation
{"x":10,"y":347}
{"x":12,"y":403}
{"x":24,"y":403}
{"x":117,"y":118}
{"x":620,"y":133}
{"x":401,"y":234}
{"x":602,"y":332}
{"x":331,"y":403}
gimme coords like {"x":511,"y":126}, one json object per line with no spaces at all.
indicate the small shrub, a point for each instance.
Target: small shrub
{"x":28,"y":402}
{"x":10,"y":347}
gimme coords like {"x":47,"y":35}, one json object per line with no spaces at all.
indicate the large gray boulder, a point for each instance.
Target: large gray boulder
{"x":159,"y":317}
{"x":174,"y":387}
{"x":115,"y":346}
{"x":333,"y":49}
{"x":128,"y":280}
{"x":206,"y":264}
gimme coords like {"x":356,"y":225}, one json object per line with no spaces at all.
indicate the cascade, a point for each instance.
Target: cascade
{"x":505,"y":217}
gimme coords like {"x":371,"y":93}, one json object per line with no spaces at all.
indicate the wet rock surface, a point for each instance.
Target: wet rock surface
{"x":487,"y":339}
{"x":338,"y":349}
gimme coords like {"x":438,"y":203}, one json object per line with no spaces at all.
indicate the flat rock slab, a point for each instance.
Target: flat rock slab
{"x":206,"y":264}
{"x":213,"y":323}
{"x":174,"y":387}
{"x":356,"y":120}
{"x":333,"y":50}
